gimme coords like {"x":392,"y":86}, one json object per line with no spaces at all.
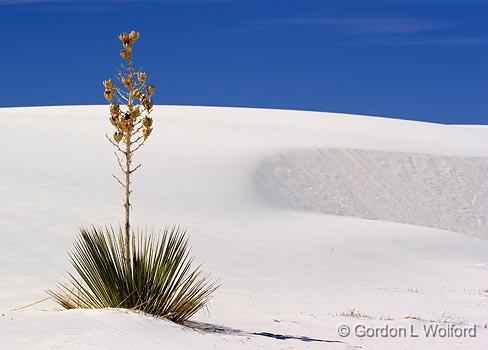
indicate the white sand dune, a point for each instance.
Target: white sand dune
{"x":446,"y":192}
{"x":287,"y":274}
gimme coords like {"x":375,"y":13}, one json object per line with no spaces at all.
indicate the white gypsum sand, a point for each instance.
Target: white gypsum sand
{"x":446,"y":192}
{"x":289,"y":276}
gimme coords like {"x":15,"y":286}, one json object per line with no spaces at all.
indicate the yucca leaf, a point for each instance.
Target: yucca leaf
{"x":159,"y":278}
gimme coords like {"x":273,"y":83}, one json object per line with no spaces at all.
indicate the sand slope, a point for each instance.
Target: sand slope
{"x":446,"y":192}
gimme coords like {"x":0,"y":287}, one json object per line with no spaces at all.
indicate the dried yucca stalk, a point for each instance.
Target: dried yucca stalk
{"x":130,"y":106}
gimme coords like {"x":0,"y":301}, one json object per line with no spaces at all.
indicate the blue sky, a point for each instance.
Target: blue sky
{"x":413,"y":59}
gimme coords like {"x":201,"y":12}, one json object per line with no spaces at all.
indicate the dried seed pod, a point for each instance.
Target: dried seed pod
{"x":127,"y":45}
{"x":119,"y":123}
{"x":150,"y":90}
{"x":124,"y":37}
{"x":118,"y":136}
{"x":147,"y":122}
{"x":125,"y":54}
{"x":114,"y":120}
{"x":142,"y":77}
{"x":136,"y":93}
{"x":127,"y":82}
{"x":114,"y":109}
{"x":124,"y":125}
{"x":147,"y":103}
{"x":135,"y":112}
{"x":108,"y":84}
{"x":146,"y":132}
{"x":108,"y":94}
{"x":134,"y":36}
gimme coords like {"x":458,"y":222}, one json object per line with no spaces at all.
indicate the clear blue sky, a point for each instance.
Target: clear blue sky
{"x":413,"y":59}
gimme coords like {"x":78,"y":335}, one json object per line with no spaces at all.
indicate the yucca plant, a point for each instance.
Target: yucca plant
{"x":159,"y":281}
{"x":122,"y":268}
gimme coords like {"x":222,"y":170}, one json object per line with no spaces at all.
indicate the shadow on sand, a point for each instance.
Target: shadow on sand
{"x":216,"y":329}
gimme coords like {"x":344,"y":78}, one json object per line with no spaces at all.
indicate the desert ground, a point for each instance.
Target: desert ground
{"x":309,"y":221}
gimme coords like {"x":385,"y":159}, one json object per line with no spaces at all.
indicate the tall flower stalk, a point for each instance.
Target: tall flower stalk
{"x":130,"y":107}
